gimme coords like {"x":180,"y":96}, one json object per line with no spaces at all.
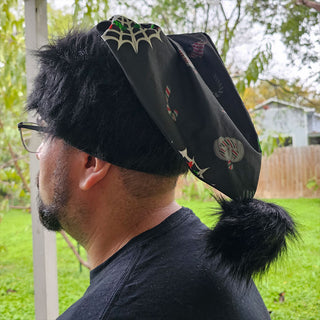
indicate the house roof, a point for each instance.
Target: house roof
{"x":286,"y":103}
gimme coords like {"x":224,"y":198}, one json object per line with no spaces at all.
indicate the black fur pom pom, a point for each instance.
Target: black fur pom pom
{"x":249,"y":236}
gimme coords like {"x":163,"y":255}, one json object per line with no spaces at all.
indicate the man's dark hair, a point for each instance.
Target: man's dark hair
{"x":85,"y":98}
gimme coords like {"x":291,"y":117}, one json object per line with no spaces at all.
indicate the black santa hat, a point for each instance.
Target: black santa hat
{"x":184,"y":86}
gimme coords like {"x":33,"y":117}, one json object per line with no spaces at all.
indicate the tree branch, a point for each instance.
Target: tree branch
{"x":310,"y":4}
{"x":238,"y":8}
{"x":7,"y":164}
{"x":15,"y":161}
{"x":207,"y":18}
{"x":20,"y":208}
{"x":166,"y":22}
{"x":147,"y":4}
{"x":71,"y":246}
{"x":223,"y":12}
{"x":296,"y":94}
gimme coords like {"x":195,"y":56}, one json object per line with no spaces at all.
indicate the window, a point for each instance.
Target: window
{"x":314,"y":140}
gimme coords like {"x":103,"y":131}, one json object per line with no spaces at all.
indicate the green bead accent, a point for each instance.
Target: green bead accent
{"x":121,"y":27}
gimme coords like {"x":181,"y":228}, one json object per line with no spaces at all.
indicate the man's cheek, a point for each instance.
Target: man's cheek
{"x":45,"y":183}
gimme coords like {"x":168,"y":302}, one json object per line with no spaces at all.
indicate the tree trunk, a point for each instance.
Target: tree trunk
{"x":310,"y":4}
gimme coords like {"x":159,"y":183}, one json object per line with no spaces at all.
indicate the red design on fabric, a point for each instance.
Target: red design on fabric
{"x":190,"y":164}
{"x":172,"y":113}
{"x":197,"y":49}
{"x":229,"y":149}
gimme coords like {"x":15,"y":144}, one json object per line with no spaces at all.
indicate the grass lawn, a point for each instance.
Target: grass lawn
{"x":16,"y":269}
{"x":298,"y":275}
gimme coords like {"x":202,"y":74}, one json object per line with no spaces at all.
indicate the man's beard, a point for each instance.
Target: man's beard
{"x":51,"y":214}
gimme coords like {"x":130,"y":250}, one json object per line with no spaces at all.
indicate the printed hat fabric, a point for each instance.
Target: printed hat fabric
{"x":184,"y":86}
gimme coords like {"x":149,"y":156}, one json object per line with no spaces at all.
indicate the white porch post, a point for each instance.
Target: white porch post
{"x":44,"y":242}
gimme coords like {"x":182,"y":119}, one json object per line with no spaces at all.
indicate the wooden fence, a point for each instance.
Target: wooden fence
{"x":286,"y":172}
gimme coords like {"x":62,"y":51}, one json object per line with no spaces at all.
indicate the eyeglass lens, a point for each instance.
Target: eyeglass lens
{"x":32,"y":139}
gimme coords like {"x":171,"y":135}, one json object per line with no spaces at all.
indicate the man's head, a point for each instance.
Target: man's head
{"x":88,"y":105}
{"x":84,"y":97}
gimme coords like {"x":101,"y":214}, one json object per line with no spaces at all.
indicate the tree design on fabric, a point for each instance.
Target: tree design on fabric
{"x":123,"y":30}
{"x":172,"y":113}
{"x":229,"y":149}
{"x":193,"y":165}
{"x":216,"y":85}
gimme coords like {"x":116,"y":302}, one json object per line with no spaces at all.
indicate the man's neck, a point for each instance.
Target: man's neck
{"x":116,"y":228}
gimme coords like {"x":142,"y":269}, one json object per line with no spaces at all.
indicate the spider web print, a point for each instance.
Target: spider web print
{"x":123,"y":30}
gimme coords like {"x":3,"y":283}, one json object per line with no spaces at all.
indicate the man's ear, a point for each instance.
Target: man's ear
{"x":93,"y":172}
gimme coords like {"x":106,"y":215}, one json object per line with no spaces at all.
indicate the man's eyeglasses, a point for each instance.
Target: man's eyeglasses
{"x":32,"y":135}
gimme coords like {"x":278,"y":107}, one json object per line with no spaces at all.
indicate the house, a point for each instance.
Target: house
{"x":298,"y":125}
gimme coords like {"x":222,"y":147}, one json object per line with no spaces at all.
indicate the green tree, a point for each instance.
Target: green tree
{"x":297,"y":21}
{"x":89,"y":12}
{"x":13,"y":164}
{"x":14,"y":168}
{"x":281,"y":89}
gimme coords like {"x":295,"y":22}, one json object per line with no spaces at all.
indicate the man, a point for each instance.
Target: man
{"x":124,"y":110}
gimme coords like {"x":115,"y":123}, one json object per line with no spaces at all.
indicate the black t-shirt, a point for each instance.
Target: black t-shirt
{"x":164,"y":273}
